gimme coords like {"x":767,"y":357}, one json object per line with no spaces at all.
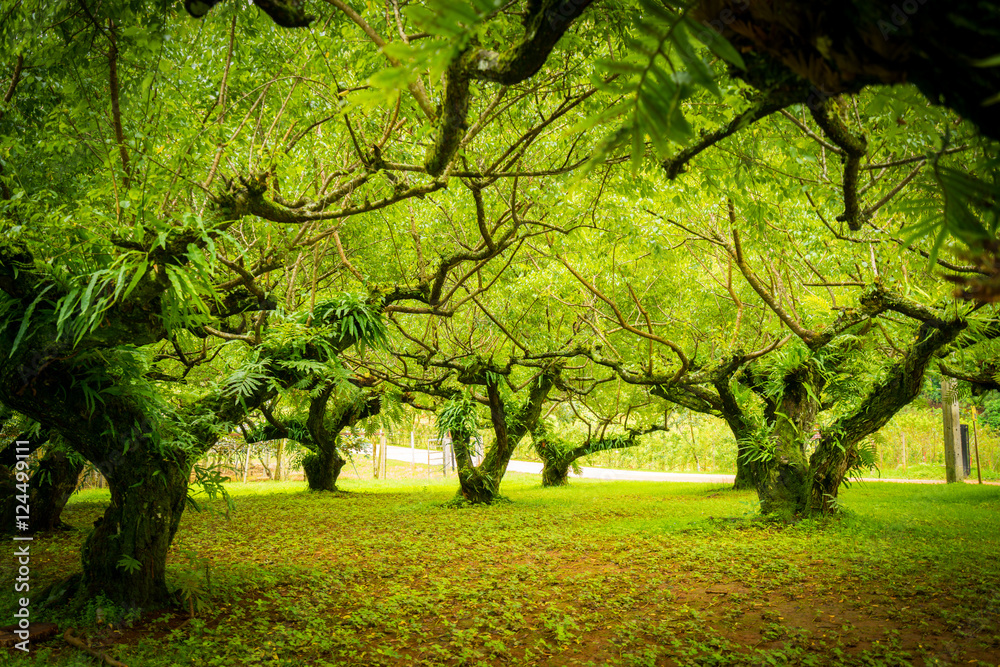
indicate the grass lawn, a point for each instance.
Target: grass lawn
{"x":622,"y":573}
{"x":928,"y":471}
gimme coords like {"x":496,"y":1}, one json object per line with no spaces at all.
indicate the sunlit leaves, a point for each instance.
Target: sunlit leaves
{"x":967,"y":208}
{"x":659,"y":71}
{"x":458,"y":416}
{"x":354,"y":319}
{"x":451,"y":27}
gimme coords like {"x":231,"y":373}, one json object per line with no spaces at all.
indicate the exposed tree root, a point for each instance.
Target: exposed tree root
{"x":100,"y":655}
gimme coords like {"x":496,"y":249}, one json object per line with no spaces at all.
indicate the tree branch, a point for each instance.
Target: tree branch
{"x":516,"y":64}
{"x":417,"y":87}
{"x":676,"y":165}
{"x":684,"y":362}
{"x":854,"y":148}
{"x":116,"y":114}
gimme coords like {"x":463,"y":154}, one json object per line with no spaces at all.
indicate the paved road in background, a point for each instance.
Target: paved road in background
{"x":406,"y":454}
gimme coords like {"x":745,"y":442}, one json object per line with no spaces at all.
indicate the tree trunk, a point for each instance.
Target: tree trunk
{"x":837,"y":451}
{"x":477,"y":487}
{"x":555,"y":471}
{"x":784,"y":480}
{"x":125,"y":557}
{"x":48,"y":489}
{"x":323,"y":468}
{"x":742,"y":427}
{"x":554,"y":455}
{"x":744,"y":473}
{"x":830,"y":464}
{"x":319,"y":434}
{"x":784,"y":484}
{"x":478,"y":484}
{"x":481,"y":484}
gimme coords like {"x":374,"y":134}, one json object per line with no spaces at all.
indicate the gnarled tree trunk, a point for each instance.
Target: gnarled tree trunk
{"x":477,"y":484}
{"x":481,"y":484}
{"x":323,"y":468}
{"x":837,"y":450}
{"x":319,"y":434}
{"x":784,"y":481}
{"x":125,"y":557}
{"x":555,"y":471}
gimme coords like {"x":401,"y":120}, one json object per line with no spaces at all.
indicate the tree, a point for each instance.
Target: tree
{"x":47,"y":485}
{"x":136,"y":274}
{"x":558,"y":455}
{"x":510,"y":420}
{"x":320,"y":431}
{"x":772,"y":398}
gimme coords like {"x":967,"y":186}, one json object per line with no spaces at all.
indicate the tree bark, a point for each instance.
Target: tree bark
{"x":784,"y":481}
{"x":744,"y":476}
{"x":837,"y":451}
{"x":555,"y":472}
{"x":742,"y":429}
{"x":323,"y":468}
{"x":49,"y":490}
{"x":481,"y":484}
{"x":125,"y":557}
{"x":477,"y":484}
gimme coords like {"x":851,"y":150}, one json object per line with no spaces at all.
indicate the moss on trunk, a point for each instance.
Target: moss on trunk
{"x":481,"y":484}
{"x":125,"y":557}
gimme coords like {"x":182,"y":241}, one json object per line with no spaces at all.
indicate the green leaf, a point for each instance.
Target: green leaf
{"x":139,"y":273}
{"x":66,"y":307}
{"x":992,"y":61}
{"x":715,"y":42}
{"x":26,"y":321}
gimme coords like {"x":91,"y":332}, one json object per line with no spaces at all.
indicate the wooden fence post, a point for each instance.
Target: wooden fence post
{"x":246,"y":464}
{"x":953,"y":463}
{"x":382,"y":455}
{"x":975,"y":443}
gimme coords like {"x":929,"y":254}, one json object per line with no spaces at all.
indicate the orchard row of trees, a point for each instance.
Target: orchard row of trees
{"x":511,"y":214}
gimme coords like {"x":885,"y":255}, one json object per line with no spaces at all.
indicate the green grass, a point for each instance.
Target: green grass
{"x":929,"y":471}
{"x":622,"y":573}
